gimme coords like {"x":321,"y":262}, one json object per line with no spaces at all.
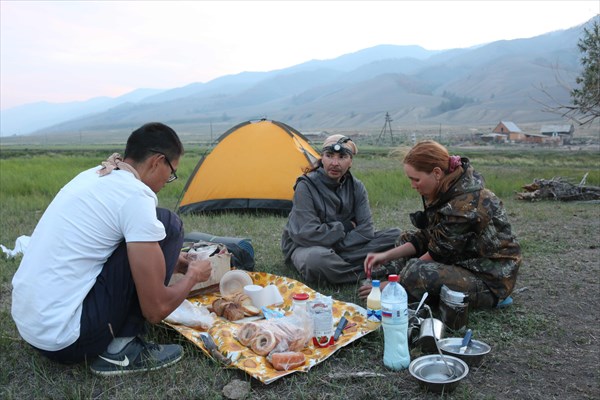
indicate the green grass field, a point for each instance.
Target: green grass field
{"x":29,"y":180}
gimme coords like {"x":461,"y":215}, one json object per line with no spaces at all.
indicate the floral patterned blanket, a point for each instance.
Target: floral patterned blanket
{"x":224,"y":331}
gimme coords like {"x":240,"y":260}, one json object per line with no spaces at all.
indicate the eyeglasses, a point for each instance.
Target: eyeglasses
{"x":173,"y":171}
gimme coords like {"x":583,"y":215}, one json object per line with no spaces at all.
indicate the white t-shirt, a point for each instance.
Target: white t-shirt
{"x":79,"y":230}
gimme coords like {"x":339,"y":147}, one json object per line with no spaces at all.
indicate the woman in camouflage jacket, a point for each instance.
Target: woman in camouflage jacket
{"x":464,"y":239}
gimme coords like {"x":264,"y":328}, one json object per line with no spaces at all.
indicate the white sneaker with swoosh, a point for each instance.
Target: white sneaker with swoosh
{"x":137,"y":356}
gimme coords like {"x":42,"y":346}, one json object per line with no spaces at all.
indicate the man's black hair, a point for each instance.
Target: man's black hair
{"x":151,"y":138}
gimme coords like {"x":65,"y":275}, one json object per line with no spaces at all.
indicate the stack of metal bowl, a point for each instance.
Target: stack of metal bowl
{"x":438,"y":376}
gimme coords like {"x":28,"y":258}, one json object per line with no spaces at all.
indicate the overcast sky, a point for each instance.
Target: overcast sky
{"x":59,"y":51}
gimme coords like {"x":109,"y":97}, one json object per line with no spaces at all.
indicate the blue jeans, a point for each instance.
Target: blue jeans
{"x":111,"y":308}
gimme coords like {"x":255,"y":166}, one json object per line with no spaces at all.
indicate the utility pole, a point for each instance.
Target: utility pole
{"x":387,"y":125}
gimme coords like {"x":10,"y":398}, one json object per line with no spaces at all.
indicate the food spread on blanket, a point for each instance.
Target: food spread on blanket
{"x":268,"y":349}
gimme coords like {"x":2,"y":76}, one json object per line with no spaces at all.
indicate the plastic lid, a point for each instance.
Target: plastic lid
{"x":375,"y":283}
{"x":300,"y":296}
{"x":393,"y":278}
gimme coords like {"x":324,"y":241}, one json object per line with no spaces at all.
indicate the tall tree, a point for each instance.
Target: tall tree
{"x":586,"y":98}
{"x":584,"y":108}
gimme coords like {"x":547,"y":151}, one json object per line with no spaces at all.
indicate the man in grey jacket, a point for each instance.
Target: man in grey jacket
{"x":330,"y":229}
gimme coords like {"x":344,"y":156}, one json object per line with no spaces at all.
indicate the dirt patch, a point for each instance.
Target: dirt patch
{"x":560,"y":285}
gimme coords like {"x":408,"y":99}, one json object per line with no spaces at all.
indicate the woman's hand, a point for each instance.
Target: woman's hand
{"x":364,"y":290}
{"x":373,"y":260}
{"x":426,"y":257}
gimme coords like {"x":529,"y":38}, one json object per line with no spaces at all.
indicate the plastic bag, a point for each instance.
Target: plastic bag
{"x":192,"y":316}
{"x":289,"y":333}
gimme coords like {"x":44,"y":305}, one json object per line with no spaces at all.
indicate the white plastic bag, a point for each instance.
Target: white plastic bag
{"x":188,"y":314}
{"x":20,"y":245}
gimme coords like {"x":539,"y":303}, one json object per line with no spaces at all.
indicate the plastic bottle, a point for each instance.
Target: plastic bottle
{"x":299,"y":301}
{"x":374,"y":306}
{"x":394,"y":319}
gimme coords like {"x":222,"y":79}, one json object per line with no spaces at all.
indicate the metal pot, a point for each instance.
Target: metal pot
{"x":432,"y":329}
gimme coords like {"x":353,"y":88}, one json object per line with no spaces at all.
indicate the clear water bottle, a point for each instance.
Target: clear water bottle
{"x":394,"y":319}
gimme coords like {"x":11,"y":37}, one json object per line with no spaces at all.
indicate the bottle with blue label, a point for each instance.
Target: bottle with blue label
{"x":374,"y":306}
{"x":394,"y":319}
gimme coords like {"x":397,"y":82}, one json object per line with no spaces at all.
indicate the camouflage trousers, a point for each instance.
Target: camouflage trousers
{"x":418,"y":277}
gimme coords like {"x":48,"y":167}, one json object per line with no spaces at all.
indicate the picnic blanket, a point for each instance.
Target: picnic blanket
{"x":224,"y":331}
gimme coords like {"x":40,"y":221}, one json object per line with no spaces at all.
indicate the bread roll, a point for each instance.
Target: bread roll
{"x":263,"y":343}
{"x":247,"y":332}
{"x":233,"y":312}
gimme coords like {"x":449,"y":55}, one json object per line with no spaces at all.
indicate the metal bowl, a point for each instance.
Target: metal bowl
{"x":433,"y":375}
{"x":474,"y":354}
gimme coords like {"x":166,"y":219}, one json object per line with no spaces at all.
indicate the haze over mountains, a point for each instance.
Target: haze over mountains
{"x":473,"y":86}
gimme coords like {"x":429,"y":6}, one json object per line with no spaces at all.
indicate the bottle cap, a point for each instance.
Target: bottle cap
{"x":393,"y":278}
{"x":375,"y":283}
{"x":300,"y":296}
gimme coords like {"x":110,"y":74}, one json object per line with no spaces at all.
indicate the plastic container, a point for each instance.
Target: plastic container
{"x":299,"y":301}
{"x":394,"y":319}
{"x":321,"y":310}
{"x":374,"y":306}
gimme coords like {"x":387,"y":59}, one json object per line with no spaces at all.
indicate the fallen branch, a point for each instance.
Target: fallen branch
{"x":557,"y":189}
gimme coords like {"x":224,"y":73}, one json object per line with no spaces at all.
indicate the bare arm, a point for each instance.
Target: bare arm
{"x":157,"y":301}
{"x":375,"y":259}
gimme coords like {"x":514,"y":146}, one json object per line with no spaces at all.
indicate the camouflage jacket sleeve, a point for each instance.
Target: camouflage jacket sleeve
{"x":470,"y":226}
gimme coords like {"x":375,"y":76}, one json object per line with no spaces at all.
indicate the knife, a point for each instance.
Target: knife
{"x":465,"y":342}
{"x":340,"y":328}
{"x":212,"y":348}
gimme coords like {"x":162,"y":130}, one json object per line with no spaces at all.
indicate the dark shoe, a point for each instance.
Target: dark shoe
{"x":137,"y":356}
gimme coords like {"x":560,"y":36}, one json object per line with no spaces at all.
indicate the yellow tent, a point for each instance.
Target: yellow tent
{"x":253,"y":166}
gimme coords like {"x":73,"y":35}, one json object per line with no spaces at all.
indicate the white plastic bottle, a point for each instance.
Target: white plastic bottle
{"x":374,"y":306}
{"x":394,"y":319}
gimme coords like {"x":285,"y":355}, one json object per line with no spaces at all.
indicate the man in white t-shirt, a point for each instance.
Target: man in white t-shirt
{"x":99,"y":260}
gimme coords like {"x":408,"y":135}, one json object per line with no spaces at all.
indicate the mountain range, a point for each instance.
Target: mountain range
{"x":481,"y":85}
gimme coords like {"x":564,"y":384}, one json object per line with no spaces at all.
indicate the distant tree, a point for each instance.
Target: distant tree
{"x":585,"y":99}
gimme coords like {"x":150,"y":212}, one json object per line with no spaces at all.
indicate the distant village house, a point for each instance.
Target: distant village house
{"x":564,"y":132}
{"x":507,"y":131}
{"x":511,"y":130}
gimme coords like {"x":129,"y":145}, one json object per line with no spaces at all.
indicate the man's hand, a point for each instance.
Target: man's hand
{"x":349,"y":224}
{"x":182,"y":263}
{"x":199,"y":270}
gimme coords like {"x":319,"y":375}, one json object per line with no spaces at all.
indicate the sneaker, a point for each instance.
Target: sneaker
{"x":137,"y":356}
{"x":505,"y":303}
